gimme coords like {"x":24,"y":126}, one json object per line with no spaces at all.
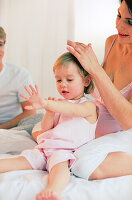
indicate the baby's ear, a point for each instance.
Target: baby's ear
{"x":87,"y":80}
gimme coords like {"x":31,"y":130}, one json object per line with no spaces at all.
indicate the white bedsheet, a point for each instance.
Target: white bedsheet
{"x":24,"y":185}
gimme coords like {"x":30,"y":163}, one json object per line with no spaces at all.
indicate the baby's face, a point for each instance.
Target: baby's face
{"x":69,"y":82}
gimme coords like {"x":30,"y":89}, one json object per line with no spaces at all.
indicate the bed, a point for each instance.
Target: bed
{"x":25,"y":184}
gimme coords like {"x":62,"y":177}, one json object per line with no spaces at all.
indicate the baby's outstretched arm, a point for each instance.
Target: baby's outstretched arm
{"x":86,"y":109}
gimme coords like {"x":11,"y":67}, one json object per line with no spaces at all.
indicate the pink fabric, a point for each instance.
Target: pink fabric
{"x":46,"y":159}
{"x":58,"y":144}
{"x":69,"y":133}
{"x":106,"y":123}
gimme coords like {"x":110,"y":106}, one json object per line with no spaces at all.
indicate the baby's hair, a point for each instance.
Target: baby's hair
{"x":67,"y":58}
{"x":2,"y":34}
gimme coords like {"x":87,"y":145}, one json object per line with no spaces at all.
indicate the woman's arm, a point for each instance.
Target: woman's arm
{"x":117,"y":105}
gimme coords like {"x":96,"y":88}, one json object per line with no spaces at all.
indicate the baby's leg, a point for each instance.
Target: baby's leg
{"x":12,"y":164}
{"x":59,"y":176}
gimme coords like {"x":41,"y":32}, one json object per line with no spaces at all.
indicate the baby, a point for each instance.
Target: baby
{"x":66,"y":125}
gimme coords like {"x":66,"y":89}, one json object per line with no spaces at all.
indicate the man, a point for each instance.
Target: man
{"x":12,"y":82}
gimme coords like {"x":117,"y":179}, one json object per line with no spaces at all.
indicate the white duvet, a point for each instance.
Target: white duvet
{"x":24,"y":185}
{"x":14,"y":141}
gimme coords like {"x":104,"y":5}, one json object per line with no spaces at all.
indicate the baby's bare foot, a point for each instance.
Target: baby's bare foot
{"x":48,"y":195}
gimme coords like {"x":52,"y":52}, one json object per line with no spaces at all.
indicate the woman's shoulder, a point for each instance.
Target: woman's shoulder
{"x":109,"y":42}
{"x":110,"y":39}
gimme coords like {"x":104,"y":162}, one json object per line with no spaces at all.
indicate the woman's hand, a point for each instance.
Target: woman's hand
{"x":34,"y":98}
{"x":85,"y":55}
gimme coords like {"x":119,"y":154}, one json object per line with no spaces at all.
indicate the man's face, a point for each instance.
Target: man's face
{"x":2,"y":44}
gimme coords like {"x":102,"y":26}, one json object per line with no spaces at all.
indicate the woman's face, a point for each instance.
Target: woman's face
{"x":124,"y":24}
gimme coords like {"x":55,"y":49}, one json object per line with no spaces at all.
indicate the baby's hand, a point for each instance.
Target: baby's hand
{"x":34,"y":98}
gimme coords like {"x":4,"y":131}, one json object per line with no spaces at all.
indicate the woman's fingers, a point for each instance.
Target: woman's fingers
{"x":70,"y":43}
{"x":72,"y":51}
{"x":80,"y":45}
{"x":72,"y":48}
{"x":89,"y":45}
{"x":84,"y":54}
{"x":77,"y":45}
{"x":77,"y":48}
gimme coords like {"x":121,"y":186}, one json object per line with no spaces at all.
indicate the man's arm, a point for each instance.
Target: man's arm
{"x":12,"y":123}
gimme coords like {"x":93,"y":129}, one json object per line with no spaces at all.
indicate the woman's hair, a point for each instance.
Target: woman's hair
{"x":67,"y":58}
{"x":129,"y":5}
{"x":2,"y":34}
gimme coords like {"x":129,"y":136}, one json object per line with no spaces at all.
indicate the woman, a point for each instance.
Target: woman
{"x":112,"y":156}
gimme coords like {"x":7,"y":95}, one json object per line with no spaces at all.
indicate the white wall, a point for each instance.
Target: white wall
{"x":94,"y":22}
{"x":37,"y":31}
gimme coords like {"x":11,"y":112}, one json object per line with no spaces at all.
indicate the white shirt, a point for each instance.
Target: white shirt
{"x":12,"y":82}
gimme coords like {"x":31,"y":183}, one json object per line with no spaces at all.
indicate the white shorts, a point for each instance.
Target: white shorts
{"x":92,"y":154}
{"x":40,"y":160}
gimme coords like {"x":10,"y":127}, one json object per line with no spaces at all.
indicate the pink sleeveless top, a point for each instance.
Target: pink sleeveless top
{"x":106,"y":123}
{"x":68,"y":133}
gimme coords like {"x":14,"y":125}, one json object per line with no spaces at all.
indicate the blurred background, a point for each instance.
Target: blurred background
{"x":37,"y":32}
